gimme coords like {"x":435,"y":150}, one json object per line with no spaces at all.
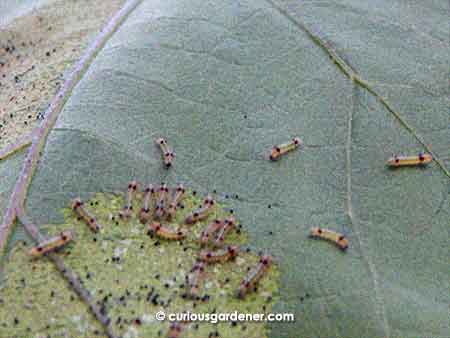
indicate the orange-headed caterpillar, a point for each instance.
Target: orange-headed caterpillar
{"x":219,"y":256}
{"x":201,"y":213}
{"x":400,"y":161}
{"x":168,"y":154}
{"x":145,"y":213}
{"x":52,"y":244}
{"x":128,"y":207}
{"x":250,"y":282}
{"x":160,"y":204}
{"x":175,"y":330}
{"x":278,"y":151}
{"x":329,"y":235}
{"x":210,"y":230}
{"x":195,"y":278}
{"x":165,"y":233}
{"x":179,"y":193}
{"x":229,"y":224}
{"x":80,"y":210}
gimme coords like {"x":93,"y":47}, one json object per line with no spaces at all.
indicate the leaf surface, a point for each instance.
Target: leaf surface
{"x":225,"y":80}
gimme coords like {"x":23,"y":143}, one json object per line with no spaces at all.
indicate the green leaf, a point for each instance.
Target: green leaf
{"x":225,"y":80}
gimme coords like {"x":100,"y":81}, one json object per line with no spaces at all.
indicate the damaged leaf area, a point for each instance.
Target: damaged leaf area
{"x":132,"y":275}
{"x":33,"y":67}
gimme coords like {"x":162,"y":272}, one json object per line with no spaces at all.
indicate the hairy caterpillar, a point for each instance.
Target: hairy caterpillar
{"x":160,"y":204}
{"x":221,"y":256}
{"x":331,"y":236}
{"x":78,"y":207}
{"x":250,"y":282}
{"x":278,"y":151}
{"x":201,"y":213}
{"x":210,"y":230}
{"x":399,"y":161}
{"x":145,"y":213}
{"x":128,"y":208}
{"x":179,"y":193}
{"x":165,"y":233}
{"x":195,"y":278}
{"x":168,"y":154}
{"x":52,"y":244}
{"x":229,"y":224}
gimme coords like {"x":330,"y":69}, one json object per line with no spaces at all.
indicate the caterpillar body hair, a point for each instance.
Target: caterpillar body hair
{"x":219,"y":256}
{"x":280,"y":150}
{"x":195,"y":278}
{"x":201,"y":213}
{"x":229,"y":224}
{"x":179,"y":193}
{"x":210,"y":230}
{"x":80,"y":210}
{"x":400,"y":161}
{"x":168,"y":154}
{"x":249,"y":283}
{"x":128,"y":207}
{"x":160,"y":204}
{"x":52,"y":244}
{"x":146,"y":214}
{"x":329,"y":235}
{"x":165,"y":233}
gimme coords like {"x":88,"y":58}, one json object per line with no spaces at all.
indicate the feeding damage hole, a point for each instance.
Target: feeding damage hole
{"x":155,"y":248}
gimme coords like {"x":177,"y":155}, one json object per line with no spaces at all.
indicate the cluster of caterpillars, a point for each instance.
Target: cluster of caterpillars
{"x":160,"y":205}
